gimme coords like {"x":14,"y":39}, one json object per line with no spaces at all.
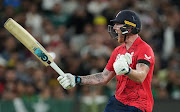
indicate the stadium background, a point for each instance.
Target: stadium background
{"x":75,"y":33}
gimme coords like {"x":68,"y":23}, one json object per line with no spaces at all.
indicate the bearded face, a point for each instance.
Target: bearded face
{"x":121,"y":40}
{"x":119,"y":32}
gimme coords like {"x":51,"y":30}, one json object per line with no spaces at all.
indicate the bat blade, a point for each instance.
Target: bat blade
{"x":28,"y":41}
{"x":31,"y":44}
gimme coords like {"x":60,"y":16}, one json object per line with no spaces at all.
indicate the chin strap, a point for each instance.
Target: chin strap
{"x":124,"y":37}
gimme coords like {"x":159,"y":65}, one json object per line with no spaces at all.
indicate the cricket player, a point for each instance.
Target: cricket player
{"x":132,"y":63}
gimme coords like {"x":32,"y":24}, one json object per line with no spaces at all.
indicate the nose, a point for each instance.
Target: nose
{"x":115,"y":27}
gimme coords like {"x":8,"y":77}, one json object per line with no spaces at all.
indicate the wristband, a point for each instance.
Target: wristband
{"x":128,"y":72}
{"x":77,"y":80}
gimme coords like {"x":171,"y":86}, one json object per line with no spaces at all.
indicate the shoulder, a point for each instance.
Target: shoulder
{"x":145,"y":52}
{"x":144,"y":47}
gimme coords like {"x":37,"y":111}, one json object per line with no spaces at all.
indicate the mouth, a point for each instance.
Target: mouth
{"x":113,"y":33}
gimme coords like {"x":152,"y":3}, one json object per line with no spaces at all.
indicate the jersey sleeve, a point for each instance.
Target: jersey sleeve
{"x":146,"y":56}
{"x":109,"y":65}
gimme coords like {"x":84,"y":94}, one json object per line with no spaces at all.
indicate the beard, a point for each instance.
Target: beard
{"x":121,"y":38}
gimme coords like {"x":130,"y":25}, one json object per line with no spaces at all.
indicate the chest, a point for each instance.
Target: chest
{"x":134,"y":53}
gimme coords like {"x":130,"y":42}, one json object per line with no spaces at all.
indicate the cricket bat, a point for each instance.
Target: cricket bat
{"x":32,"y":44}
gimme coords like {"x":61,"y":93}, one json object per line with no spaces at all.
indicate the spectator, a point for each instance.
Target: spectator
{"x":34,"y":20}
{"x":57,"y":16}
{"x":97,"y":6}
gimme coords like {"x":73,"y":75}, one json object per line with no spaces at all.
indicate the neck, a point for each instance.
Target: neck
{"x":130,"y":40}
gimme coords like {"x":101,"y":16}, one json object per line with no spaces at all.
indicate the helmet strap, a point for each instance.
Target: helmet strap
{"x":124,"y":37}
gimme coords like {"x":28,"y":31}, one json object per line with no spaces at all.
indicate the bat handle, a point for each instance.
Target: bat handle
{"x":57,"y":69}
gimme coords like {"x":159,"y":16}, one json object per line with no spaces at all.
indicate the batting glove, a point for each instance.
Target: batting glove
{"x":121,"y":65}
{"x":68,"y":81}
{"x":128,"y":58}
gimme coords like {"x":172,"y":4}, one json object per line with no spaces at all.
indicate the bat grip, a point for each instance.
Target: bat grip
{"x":57,"y":69}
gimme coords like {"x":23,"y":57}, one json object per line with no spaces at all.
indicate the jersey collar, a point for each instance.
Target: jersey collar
{"x":135,"y":44}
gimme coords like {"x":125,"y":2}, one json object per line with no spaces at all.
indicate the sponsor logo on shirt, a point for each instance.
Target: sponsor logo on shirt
{"x":146,"y":57}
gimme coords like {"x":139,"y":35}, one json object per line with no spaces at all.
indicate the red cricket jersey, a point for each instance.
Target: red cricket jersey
{"x":128,"y":91}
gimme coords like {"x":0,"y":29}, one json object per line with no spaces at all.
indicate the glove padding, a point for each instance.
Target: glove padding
{"x":68,"y":81}
{"x":121,"y":65}
{"x":128,"y":58}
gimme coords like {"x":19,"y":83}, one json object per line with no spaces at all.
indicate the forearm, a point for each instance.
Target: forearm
{"x":98,"y":78}
{"x":137,"y":76}
{"x":69,"y":81}
{"x":94,"y":79}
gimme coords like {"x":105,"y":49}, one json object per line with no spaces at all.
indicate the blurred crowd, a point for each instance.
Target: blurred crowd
{"x":75,"y":33}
